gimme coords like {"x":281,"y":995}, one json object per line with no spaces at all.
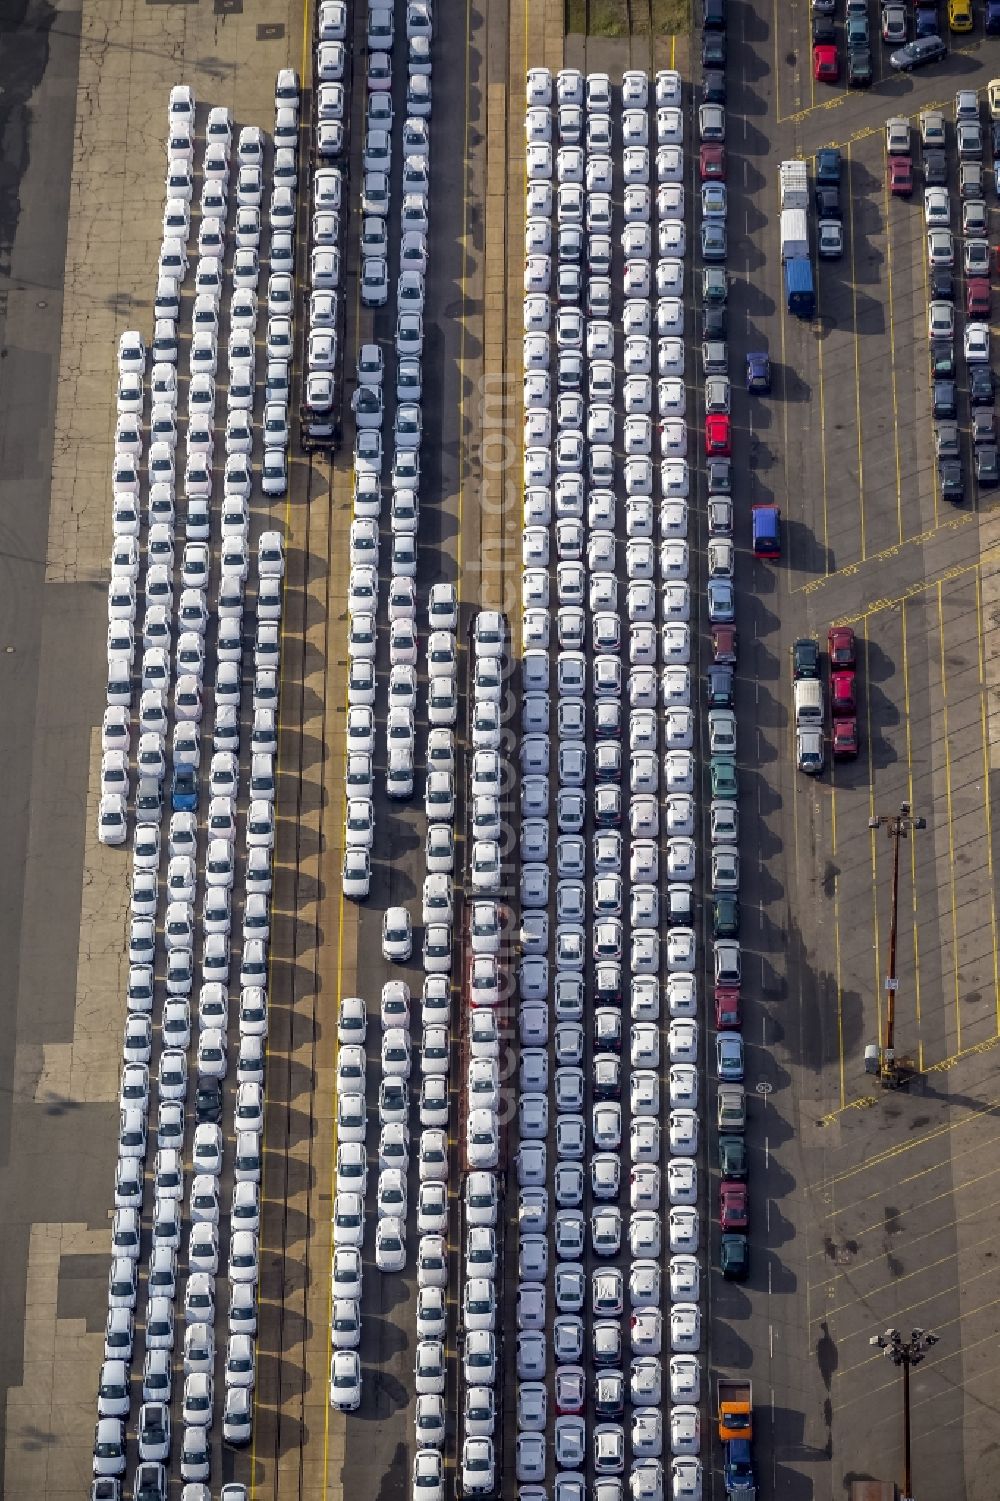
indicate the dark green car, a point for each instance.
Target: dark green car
{"x":726,"y":917}
{"x":859,"y":67}
{"x":722,"y":774}
{"x":714,"y":288}
{"x":805,"y":658}
{"x":734,"y":1257}
{"x":732,"y":1157}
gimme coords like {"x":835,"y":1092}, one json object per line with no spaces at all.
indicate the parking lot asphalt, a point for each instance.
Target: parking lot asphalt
{"x":870,"y":1208}
{"x":83,"y":127}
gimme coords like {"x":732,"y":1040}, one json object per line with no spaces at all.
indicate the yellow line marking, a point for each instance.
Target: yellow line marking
{"x":986,"y":793}
{"x":857,"y":358}
{"x":864,"y":1102}
{"x":822,"y":431}
{"x":304,"y":67}
{"x":836,"y":932}
{"x":950,"y":1164}
{"x":877,"y":1159}
{"x":960,"y":1318}
{"x":912,"y":842}
{"x":959,"y":570}
{"x":933,"y":461}
{"x":673,"y":50}
{"x":951,"y":825}
{"x":892,"y":362}
{"x":872,"y":1292}
{"x":953,"y":524}
{"x":873,"y":837}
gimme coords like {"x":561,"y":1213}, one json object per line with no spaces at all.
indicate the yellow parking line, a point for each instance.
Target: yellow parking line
{"x":872,"y":836}
{"x":822,"y":435}
{"x":951,"y":826}
{"x":877,"y":1159}
{"x":934,"y":473}
{"x":836,"y":932}
{"x":912,"y":842}
{"x":987,"y":803}
{"x":857,"y":358}
{"x":921,"y":586}
{"x":892,"y":359}
{"x":978,"y":1150}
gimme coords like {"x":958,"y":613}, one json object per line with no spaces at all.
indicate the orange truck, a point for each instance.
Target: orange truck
{"x":734,"y":1401}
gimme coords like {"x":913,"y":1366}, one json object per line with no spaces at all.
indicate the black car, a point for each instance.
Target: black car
{"x":713,"y":86}
{"x":713,"y":49}
{"x":828,"y":203}
{"x":980,"y":385}
{"x":824,"y":32}
{"x":713,"y":324}
{"x":859,"y":67}
{"x":208,"y":1102}
{"x":987,"y":466}
{"x":950,"y":479}
{"x":732,"y":1157}
{"x":734,"y":1256}
{"x":942,"y":284}
{"x":995,"y":138}
{"x":713,"y":15}
{"x":926,"y":49}
{"x":719,"y":687}
{"x":805,"y":658}
{"x":828,"y":163}
{"x":992,"y":19}
{"x":935,"y":169}
{"x":725,"y":917}
{"x":942,"y":360}
{"x":944,"y":398}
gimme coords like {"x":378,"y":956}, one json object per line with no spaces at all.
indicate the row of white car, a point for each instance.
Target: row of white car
{"x":483,"y":1275}
{"x":204,"y":1244}
{"x":575,"y":458}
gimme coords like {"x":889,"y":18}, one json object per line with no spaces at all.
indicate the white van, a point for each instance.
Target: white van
{"x":810,"y":708}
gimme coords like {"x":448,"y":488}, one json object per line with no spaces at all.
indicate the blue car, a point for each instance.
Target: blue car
{"x":759,"y":372}
{"x":184,"y":790}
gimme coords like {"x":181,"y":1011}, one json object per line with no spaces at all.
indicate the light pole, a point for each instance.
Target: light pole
{"x":905,"y":1353}
{"x":897,"y":827}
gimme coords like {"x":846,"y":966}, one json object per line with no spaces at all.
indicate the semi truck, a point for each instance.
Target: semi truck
{"x":734,"y":1403}
{"x":737,"y":1470}
{"x":794,"y":233}
{"x":794,"y":180}
{"x":800,"y":291}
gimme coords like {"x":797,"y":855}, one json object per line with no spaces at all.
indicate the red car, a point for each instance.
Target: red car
{"x":845,"y":739}
{"x":727,"y":1008}
{"x":826,"y":64}
{"x":900,"y":176}
{"x":843,"y":699}
{"x":734,"y":1210}
{"x":840,"y":644}
{"x":718,"y":443}
{"x":712,"y":162}
{"x":724,"y":645}
{"x":977,"y":297}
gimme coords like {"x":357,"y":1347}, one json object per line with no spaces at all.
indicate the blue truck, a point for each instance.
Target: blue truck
{"x":737,"y":1471}
{"x":800,"y":290}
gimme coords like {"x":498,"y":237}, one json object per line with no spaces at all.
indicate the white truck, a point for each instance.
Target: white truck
{"x":794,"y":180}
{"x":794,"y":233}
